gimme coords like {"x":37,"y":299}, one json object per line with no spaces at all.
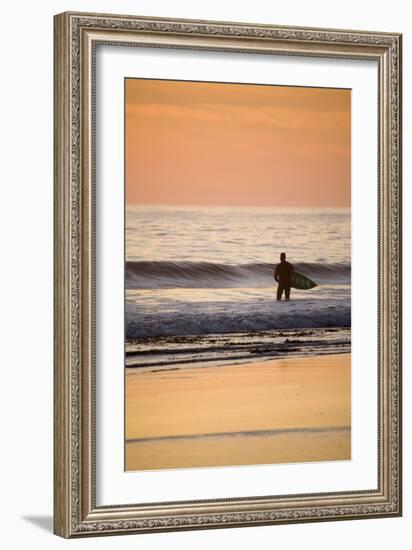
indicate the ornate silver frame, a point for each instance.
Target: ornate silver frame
{"x":76,"y":36}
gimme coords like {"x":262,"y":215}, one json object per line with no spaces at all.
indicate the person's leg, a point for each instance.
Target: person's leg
{"x":287,"y":292}
{"x":279,"y":292}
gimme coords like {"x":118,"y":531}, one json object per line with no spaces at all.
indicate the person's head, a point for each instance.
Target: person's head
{"x":282,"y":257}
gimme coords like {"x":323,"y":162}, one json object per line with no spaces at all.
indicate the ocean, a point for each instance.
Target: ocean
{"x":199,"y":284}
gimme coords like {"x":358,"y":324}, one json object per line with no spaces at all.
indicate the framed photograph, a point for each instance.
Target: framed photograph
{"x":227,"y":274}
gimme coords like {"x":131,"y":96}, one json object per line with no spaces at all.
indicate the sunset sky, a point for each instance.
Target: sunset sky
{"x":195,"y":143}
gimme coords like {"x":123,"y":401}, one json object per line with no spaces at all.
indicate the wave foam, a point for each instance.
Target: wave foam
{"x":237,"y":318}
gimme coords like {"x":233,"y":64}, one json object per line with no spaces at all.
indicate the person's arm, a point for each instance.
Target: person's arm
{"x":276,"y":276}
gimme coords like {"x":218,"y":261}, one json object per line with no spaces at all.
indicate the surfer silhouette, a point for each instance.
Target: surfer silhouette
{"x":283,"y":275}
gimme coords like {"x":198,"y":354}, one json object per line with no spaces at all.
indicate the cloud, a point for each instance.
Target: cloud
{"x":263,"y":117}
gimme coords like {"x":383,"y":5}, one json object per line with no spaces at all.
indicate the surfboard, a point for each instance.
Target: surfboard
{"x":300,"y":281}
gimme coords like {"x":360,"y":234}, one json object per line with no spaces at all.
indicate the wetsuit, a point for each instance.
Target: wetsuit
{"x":283,"y":275}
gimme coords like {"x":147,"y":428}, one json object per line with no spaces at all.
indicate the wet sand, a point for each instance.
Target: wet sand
{"x":278,"y":411}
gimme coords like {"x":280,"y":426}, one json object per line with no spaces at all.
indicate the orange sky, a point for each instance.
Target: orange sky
{"x":196,"y":143}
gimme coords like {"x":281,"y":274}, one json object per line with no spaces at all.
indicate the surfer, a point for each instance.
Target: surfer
{"x":283,"y":274}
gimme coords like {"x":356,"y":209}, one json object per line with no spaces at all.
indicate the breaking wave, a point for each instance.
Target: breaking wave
{"x":163,"y":274}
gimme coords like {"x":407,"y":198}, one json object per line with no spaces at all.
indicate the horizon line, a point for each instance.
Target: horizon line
{"x":347,"y":207}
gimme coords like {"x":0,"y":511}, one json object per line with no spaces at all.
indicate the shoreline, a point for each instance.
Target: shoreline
{"x":278,"y":410}
{"x":194,"y":351}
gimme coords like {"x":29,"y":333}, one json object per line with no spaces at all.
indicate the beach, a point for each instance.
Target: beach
{"x":279,"y":410}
